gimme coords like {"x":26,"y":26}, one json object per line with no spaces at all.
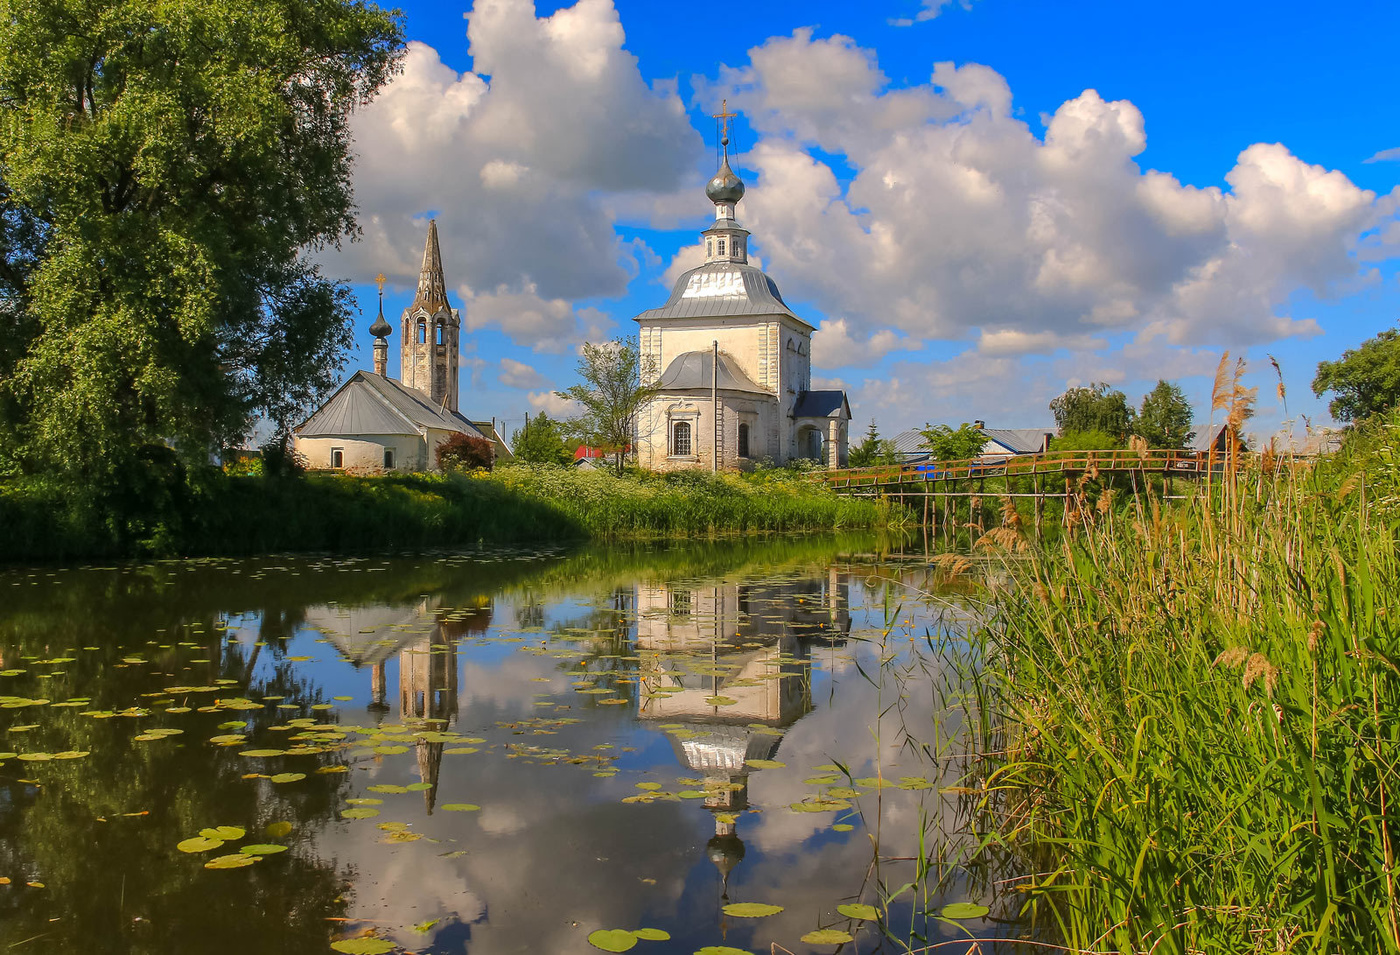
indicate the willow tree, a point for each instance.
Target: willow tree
{"x":166,"y":169}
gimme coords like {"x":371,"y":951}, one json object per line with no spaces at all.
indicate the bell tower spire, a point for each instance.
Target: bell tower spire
{"x":726,"y":240}
{"x":431,"y":328}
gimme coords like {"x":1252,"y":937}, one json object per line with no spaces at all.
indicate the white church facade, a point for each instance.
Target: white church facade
{"x":376,"y":423}
{"x":731,"y":364}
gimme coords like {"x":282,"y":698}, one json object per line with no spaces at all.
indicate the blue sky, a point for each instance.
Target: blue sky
{"x":970,"y":237}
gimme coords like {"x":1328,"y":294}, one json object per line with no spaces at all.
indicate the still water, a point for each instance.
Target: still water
{"x":485,"y":752}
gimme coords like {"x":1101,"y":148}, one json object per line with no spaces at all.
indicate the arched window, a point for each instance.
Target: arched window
{"x":422,"y":331}
{"x":709,"y":246}
{"x":680,"y":439}
{"x":721,"y":247}
{"x":439,"y":333}
{"x":743,"y":440}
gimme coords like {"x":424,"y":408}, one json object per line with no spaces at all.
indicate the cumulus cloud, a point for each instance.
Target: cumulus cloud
{"x":1385,"y":155}
{"x":834,"y":346}
{"x":551,"y":404}
{"x":517,"y":158}
{"x":961,"y":223}
{"x":517,"y":374}
{"x":931,"y":9}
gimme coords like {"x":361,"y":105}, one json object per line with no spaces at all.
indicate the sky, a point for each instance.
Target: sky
{"x":977,"y":203}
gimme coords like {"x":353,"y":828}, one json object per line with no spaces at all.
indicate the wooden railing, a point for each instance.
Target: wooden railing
{"x":1185,"y":463}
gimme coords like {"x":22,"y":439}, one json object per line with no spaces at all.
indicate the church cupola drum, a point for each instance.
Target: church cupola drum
{"x":431,"y":332}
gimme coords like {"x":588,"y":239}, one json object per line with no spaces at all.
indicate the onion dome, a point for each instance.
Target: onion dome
{"x":725,"y":186}
{"x":381,"y":328}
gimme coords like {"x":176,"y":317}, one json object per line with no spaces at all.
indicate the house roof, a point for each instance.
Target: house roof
{"x":1019,"y":440}
{"x":372,"y":404}
{"x":821,"y":404}
{"x":1206,"y":435}
{"x":719,"y":289}
{"x":695,"y":369}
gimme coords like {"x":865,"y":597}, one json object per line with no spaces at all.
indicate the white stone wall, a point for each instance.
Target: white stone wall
{"x":364,"y":452}
{"x":656,"y":418}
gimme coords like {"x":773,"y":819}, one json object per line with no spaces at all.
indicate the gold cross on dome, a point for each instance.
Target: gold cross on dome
{"x":724,"y":116}
{"x":380,"y":280}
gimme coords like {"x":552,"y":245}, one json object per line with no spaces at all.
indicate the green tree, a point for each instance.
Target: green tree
{"x":541,"y":441}
{"x":873,"y":450}
{"x":1094,"y":408}
{"x":953,"y":444}
{"x":1365,"y":380}
{"x":611,"y":394}
{"x":165,"y":168}
{"x":1164,"y":420}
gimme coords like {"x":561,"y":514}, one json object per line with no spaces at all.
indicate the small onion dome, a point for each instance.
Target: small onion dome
{"x":725,"y":852}
{"x":725,"y":187}
{"x":381,"y":328}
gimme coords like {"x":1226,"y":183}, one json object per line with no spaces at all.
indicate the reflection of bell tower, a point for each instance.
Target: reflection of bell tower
{"x":378,"y":705}
{"x":428,"y":692}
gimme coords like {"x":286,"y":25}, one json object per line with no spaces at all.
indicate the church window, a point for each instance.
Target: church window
{"x":388,"y":459}
{"x":680,"y":439}
{"x":721,"y":247}
{"x":337,"y":457}
{"x":709,"y":246}
{"x":422,"y":332}
{"x":680,"y":603}
{"x":743,"y":440}
{"x":439,"y":333}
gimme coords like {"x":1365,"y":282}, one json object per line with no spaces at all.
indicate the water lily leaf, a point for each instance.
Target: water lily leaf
{"x":423,"y":928}
{"x":859,"y":910}
{"x":765,"y":763}
{"x":843,"y":827}
{"x":652,"y":934}
{"x":460,"y":807}
{"x":199,"y":844}
{"x":236,"y":861}
{"x":720,"y":700}
{"x":721,"y":950}
{"x":648,"y":785}
{"x":418,"y":787}
{"x":386,"y":788}
{"x":287,"y":777}
{"x":964,"y":910}
{"x":226,"y":833}
{"x":262,"y":849}
{"x":359,"y":812}
{"x":36,"y":757}
{"x":365,"y":801}
{"x":751,"y":910}
{"x":363,"y":946}
{"x":612,"y":939}
{"x":262,"y":752}
{"x":279,"y":830}
{"x":461,"y":751}
{"x":827,"y":936}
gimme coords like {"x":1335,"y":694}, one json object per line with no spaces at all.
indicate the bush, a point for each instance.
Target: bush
{"x":462,"y":452}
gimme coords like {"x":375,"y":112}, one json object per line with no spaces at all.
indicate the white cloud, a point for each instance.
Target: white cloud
{"x":551,"y":404}
{"x":931,"y":9}
{"x":519,"y":159}
{"x":833,"y":345}
{"x":1385,"y":155}
{"x":517,"y":374}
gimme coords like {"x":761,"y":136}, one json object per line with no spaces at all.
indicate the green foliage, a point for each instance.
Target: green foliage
{"x":166,"y":167}
{"x":461,"y":452}
{"x":872,"y":450}
{"x":953,"y":444}
{"x":1164,"y":420}
{"x":1085,"y":441}
{"x":1198,"y":715}
{"x":610,"y":395}
{"x":1365,"y":380}
{"x":1094,"y":408}
{"x":541,"y":441}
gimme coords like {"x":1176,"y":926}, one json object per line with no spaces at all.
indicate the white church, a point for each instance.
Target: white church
{"x":732,"y":364}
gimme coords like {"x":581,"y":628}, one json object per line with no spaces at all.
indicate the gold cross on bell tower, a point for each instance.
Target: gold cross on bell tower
{"x":724,"y":116}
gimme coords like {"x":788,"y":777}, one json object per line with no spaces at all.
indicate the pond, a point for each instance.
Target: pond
{"x":723,"y":744}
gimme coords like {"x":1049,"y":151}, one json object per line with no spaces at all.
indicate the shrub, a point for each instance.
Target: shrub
{"x":462,"y":452}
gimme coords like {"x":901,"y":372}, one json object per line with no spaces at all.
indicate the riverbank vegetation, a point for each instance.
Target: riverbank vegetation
{"x":1193,"y":713}
{"x":173,"y":512}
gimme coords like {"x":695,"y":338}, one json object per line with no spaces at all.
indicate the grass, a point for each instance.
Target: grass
{"x":1195,"y":709}
{"x":212,"y":514}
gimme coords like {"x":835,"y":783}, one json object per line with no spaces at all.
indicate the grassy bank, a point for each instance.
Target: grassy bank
{"x":1198,"y":711}
{"x":211,"y":513}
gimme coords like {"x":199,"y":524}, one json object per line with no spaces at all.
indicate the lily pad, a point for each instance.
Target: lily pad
{"x":363,"y":946}
{"x":859,"y":910}
{"x":262,"y":850}
{"x":964,"y":910}
{"x":652,"y":934}
{"x":612,"y":939}
{"x":765,"y":763}
{"x":721,"y":950}
{"x":418,"y":787}
{"x":279,"y":830}
{"x":261,"y":752}
{"x":827,"y":936}
{"x":359,"y":812}
{"x":199,"y":844}
{"x":460,"y":807}
{"x":386,"y":788}
{"x":226,"y":833}
{"x":235,"y":861}
{"x":751,"y":910}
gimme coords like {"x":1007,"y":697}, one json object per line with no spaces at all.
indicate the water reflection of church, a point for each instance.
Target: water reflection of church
{"x":726,"y":667}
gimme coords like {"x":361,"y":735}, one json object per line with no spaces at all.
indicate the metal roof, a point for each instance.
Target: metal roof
{"x":821,"y":404}
{"x":1020,"y":440}
{"x":719,"y":289}
{"x":372,"y":404}
{"x":695,"y":369}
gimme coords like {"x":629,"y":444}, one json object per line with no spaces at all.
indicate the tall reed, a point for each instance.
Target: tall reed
{"x":1201,"y":705}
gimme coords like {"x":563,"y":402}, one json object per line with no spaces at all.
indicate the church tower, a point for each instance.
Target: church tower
{"x":431,"y":329}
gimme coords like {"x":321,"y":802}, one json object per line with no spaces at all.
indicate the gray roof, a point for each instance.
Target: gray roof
{"x":372,"y":404}
{"x":821,"y":404}
{"x":910,"y":442}
{"x":1206,"y":435}
{"x":719,"y":289}
{"x":1020,"y":440}
{"x":695,"y":369}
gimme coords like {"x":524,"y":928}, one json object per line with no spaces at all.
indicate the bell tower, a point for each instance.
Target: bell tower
{"x":431,"y":330}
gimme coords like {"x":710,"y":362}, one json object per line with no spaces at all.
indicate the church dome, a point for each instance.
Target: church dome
{"x":381,"y":328}
{"x":725,"y":186}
